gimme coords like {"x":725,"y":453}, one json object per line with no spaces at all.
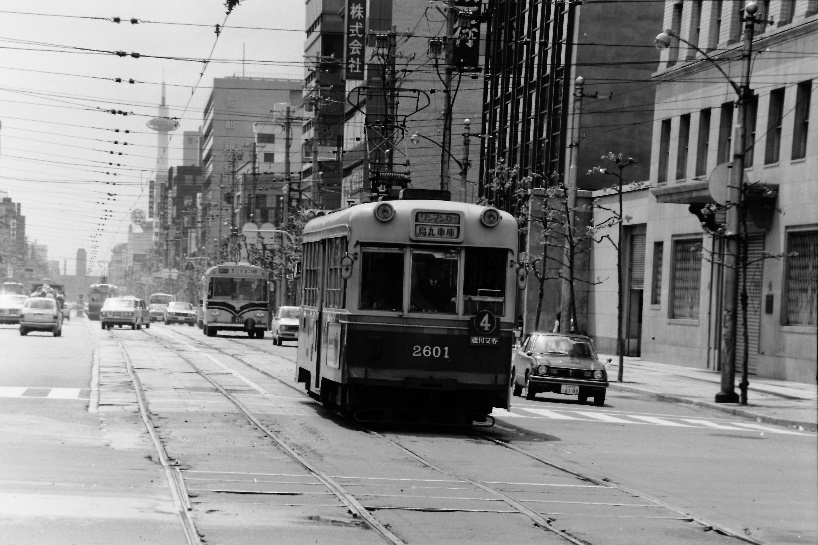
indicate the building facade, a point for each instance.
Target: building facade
{"x":675,"y":250}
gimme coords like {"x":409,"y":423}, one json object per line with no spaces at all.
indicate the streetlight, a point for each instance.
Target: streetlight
{"x":735,"y":192}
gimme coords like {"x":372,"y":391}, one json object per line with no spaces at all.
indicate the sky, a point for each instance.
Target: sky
{"x":58,"y":71}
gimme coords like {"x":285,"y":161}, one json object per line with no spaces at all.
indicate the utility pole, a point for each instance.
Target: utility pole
{"x":567,"y":307}
{"x":285,"y":216}
{"x":315,"y":191}
{"x":465,"y":170}
{"x":445,"y":155}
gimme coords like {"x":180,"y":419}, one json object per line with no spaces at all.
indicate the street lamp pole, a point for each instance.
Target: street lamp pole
{"x":735,"y":193}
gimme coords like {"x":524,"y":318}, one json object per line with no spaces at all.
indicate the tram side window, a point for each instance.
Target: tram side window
{"x":382,"y":279}
{"x":434,"y":282}
{"x":222,"y":288}
{"x":336,"y":249}
{"x":485,"y":280}
{"x":310,"y":277}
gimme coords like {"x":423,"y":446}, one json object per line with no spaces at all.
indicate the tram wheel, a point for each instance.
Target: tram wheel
{"x":259,"y":334}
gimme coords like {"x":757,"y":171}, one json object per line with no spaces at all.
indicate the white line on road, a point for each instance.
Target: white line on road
{"x":549,"y":414}
{"x":767,"y":429}
{"x":659,"y":421}
{"x":502,"y":413}
{"x":709,"y":424}
{"x":606,"y":417}
{"x":11,"y":391}
{"x":64,"y":393}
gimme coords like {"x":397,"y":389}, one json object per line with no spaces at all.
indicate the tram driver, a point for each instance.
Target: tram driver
{"x":432,"y":292}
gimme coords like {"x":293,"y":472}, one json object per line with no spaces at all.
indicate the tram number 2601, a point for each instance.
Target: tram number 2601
{"x":419,"y":351}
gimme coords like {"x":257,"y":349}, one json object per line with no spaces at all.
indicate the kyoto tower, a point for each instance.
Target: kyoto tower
{"x":163,"y":125}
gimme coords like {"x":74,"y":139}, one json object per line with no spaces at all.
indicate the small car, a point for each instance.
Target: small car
{"x":178,"y":312}
{"x":40,"y":314}
{"x":157,"y":311}
{"x":10,"y":305}
{"x":122,"y":311}
{"x":284,"y":326}
{"x":559,"y":363}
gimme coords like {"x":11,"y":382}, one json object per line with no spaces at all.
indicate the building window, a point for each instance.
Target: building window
{"x":725,"y":133}
{"x":265,"y":138}
{"x":715,"y":34}
{"x":800,"y":130}
{"x":269,"y":157}
{"x":656,"y":284}
{"x":763,"y":16}
{"x":686,"y":278}
{"x":703,"y":144}
{"x":750,"y":144}
{"x":787,"y":12}
{"x":735,"y":23}
{"x":675,"y":25}
{"x":802,"y":278}
{"x":664,"y":151}
{"x":773,"y":149}
{"x":695,"y":28}
{"x":684,"y":142}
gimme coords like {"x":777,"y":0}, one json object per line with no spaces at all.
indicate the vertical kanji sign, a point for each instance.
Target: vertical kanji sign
{"x":355,"y":39}
{"x":466,"y":36}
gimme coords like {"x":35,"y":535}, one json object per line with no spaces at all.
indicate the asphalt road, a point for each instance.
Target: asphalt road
{"x":77,"y":469}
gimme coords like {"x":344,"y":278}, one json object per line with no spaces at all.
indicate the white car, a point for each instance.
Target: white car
{"x":178,"y":312}
{"x":10,"y":305}
{"x":40,"y":314}
{"x":285,"y":324}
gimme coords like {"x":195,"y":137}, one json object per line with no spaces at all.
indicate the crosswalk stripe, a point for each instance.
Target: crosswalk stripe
{"x":64,"y":393}
{"x":606,"y":418}
{"x":709,"y":424}
{"x":502,"y":413}
{"x":11,"y":391}
{"x":549,"y":414}
{"x":759,"y":427}
{"x":659,"y":421}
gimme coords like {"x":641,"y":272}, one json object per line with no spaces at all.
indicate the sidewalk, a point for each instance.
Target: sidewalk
{"x":779,"y":402}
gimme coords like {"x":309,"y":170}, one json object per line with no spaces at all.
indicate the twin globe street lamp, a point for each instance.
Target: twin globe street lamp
{"x":735,"y":195}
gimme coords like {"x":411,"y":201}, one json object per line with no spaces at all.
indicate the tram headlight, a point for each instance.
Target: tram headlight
{"x":214,"y":312}
{"x":259,"y":314}
{"x":490,"y":217}
{"x":542,"y":369}
{"x":384,"y":212}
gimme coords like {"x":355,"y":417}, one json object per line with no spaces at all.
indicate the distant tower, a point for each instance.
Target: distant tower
{"x":82,"y":259}
{"x":163,"y":125}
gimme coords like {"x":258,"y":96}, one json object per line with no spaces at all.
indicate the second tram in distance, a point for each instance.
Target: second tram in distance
{"x":408,"y":310}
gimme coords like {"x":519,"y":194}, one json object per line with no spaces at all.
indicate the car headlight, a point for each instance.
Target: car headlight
{"x":598,"y":374}
{"x":542,"y":369}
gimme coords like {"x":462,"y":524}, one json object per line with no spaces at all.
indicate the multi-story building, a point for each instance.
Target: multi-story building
{"x":671,"y":258}
{"x":185,"y":185}
{"x":12,"y":236}
{"x":235,"y":104}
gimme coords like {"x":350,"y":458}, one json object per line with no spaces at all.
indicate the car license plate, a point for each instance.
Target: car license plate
{"x":569,"y":390}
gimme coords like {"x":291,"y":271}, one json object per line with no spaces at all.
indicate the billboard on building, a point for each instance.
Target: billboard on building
{"x":151,"y":198}
{"x":466,"y":36}
{"x":355,"y":39}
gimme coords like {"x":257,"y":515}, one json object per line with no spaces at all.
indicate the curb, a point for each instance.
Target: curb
{"x":730,"y":409}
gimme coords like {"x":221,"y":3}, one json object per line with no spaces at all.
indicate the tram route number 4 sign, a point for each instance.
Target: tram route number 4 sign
{"x":484,"y":329}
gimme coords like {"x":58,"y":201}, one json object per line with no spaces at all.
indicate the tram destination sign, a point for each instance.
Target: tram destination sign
{"x":433,"y":226}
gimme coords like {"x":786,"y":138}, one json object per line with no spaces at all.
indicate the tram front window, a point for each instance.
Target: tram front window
{"x":485,"y":280}
{"x":382,"y":279}
{"x":434,"y":282}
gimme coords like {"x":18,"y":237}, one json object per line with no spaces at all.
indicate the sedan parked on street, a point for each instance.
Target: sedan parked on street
{"x":122,"y":311}
{"x":40,"y":314}
{"x":180,"y":313}
{"x":559,"y":363}
{"x":284,"y":326}
{"x":10,"y":305}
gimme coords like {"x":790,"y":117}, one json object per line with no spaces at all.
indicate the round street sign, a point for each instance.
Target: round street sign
{"x":250,"y":232}
{"x":268,"y":232}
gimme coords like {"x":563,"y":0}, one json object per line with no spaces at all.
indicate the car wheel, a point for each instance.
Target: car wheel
{"x":190,"y":324}
{"x":529,"y":390}
{"x":259,"y":334}
{"x":251,"y":333}
{"x":583,"y":397}
{"x":148,"y":325}
{"x":599,"y":399}
{"x":23,"y":331}
{"x":102,"y":326}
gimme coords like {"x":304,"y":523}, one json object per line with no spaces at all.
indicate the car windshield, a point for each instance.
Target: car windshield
{"x":119,"y":303}
{"x":42,"y":304}
{"x":12,"y":300}
{"x":180,"y":306}
{"x":563,"y":345}
{"x":290,"y":312}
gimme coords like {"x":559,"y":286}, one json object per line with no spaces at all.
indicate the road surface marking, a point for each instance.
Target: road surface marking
{"x":502,"y":413}
{"x":43,"y":393}
{"x":64,"y":393}
{"x":708,"y":424}
{"x":659,"y":421}
{"x":606,"y":417}
{"x":11,"y":391}
{"x":759,"y":427}
{"x":550,"y":414}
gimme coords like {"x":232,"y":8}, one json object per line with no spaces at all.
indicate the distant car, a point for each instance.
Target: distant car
{"x":559,"y":363}
{"x":40,"y":314}
{"x":157,"y":311}
{"x":122,"y":311}
{"x":10,"y":305}
{"x":142,"y":308}
{"x":180,"y":313}
{"x":284,"y":326}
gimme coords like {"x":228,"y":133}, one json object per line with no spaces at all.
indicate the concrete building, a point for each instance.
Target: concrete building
{"x":671,"y":258}
{"x":235,"y":104}
{"x":12,"y":237}
{"x":192,"y":148}
{"x":82,"y":263}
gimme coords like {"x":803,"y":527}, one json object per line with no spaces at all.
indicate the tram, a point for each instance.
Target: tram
{"x":97,"y":294}
{"x":160,"y":299}
{"x":235,"y":297}
{"x":407,"y":310}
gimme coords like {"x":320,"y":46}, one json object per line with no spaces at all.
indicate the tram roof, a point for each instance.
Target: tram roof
{"x":235,"y":266}
{"x":360,"y":224}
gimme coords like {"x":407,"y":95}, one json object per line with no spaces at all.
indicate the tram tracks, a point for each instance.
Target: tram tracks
{"x":364,"y":505}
